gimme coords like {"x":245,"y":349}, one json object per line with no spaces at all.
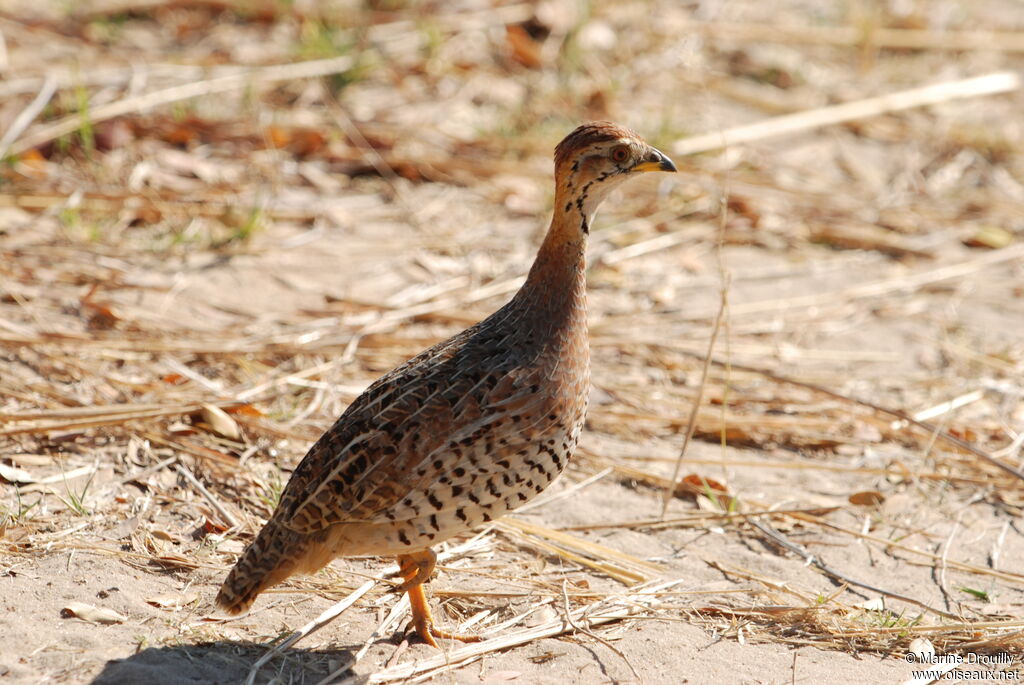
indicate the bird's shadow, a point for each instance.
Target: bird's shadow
{"x":222,"y":662}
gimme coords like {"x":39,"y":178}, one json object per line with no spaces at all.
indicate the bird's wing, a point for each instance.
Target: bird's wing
{"x":385,"y":445}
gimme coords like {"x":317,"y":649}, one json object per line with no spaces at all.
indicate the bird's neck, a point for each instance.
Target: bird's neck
{"x":555,"y":289}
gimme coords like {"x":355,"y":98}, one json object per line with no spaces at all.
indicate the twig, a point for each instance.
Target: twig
{"x":698,"y":520}
{"x":997,"y":546}
{"x":853,"y":36}
{"x":920,"y":629}
{"x":592,"y":634}
{"x":783,"y":541}
{"x":633,"y":569}
{"x":26,"y":116}
{"x":942,"y":561}
{"x":222,"y":84}
{"x":389,"y":621}
{"x":990,"y":84}
{"x":311,"y":627}
{"x":596,"y":615}
{"x":115,"y":416}
{"x":369,"y":152}
{"x":399,"y":608}
{"x":148,"y":471}
{"x":1009,"y":576}
{"x":568,"y":492}
{"x":471,"y":545}
{"x":898,"y":413}
{"x":950,"y":405}
{"x":691,"y":426}
{"x":224,"y":514}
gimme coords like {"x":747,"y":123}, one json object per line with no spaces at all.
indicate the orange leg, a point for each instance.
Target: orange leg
{"x":415,"y":570}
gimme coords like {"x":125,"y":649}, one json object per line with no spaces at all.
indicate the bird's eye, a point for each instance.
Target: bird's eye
{"x":620,"y":154}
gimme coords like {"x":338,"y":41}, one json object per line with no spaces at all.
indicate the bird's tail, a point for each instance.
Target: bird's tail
{"x":275,"y":554}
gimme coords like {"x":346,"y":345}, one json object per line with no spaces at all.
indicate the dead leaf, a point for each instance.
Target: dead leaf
{"x":12,"y":474}
{"x":302,"y":142}
{"x":306,"y":142}
{"x":246,"y":410}
{"x":88,"y":612}
{"x":923,"y":649}
{"x":12,"y":535}
{"x":174,"y":561}
{"x":220,"y":422}
{"x":208,"y":527}
{"x":164,"y":535}
{"x":699,"y":485}
{"x":873,"y":604}
{"x":993,"y":237}
{"x":125,"y":528}
{"x":277,"y":136}
{"x":100,"y":315}
{"x":525,"y":49}
{"x":45,"y":459}
{"x":867,"y":498}
{"x":172,"y":601}
{"x":33,"y":163}
{"x":705,"y":504}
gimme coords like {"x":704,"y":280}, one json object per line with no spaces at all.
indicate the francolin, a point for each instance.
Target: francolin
{"x":466,"y":431}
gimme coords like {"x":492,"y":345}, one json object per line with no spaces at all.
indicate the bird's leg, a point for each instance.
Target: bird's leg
{"x":415,"y":570}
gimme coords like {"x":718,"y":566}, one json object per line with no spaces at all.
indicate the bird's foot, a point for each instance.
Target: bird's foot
{"x":415,"y":569}
{"x":425,"y":628}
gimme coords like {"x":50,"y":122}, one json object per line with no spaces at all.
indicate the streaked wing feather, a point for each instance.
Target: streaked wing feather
{"x":374,"y":455}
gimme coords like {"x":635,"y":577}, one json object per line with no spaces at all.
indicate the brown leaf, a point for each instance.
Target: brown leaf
{"x":278,"y":136}
{"x":208,"y":526}
{"x":699,"y":484}
{"x":525,"y":49}
{"x":306,"y":142}
{"x":33,"y":163}
{"x":160,"y":534}
{"x":100,"y":316}
{"x":245,"y":410}
{"x":867,"y":498}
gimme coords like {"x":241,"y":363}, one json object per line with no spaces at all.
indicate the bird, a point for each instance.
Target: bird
{"x":467,"y":430}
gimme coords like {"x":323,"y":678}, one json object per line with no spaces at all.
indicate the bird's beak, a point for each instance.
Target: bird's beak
{"x":656,"y":160}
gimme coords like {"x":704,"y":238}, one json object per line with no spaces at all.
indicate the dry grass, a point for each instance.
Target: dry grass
{"x":174,"y":329}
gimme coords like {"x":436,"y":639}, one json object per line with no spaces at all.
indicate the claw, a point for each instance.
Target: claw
{"x":415,"y":570}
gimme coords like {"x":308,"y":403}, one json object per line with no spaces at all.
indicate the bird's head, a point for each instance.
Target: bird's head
{"x":594,"y":159}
